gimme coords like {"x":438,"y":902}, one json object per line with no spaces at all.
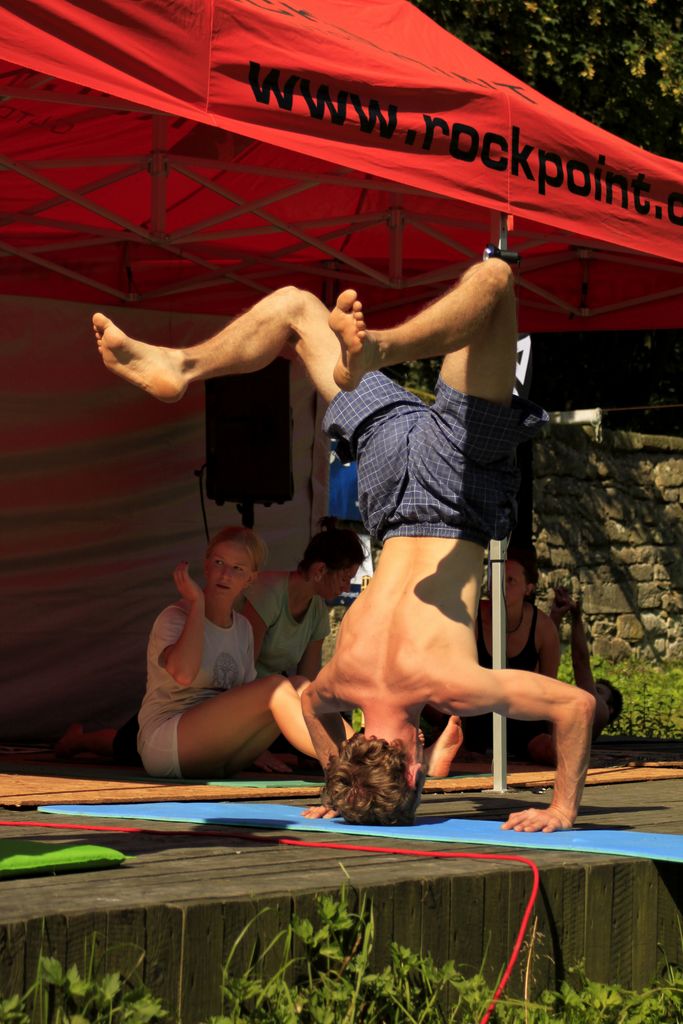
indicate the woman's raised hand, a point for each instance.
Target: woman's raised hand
{"x":185,"y":585}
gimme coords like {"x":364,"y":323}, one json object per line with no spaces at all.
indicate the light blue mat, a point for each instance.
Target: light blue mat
{"x":653,"y":845}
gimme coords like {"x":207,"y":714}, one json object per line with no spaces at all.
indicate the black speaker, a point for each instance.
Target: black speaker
{"x":249,"y":437}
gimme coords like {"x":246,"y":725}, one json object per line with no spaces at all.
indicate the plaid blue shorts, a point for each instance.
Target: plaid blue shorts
{"x":446,"y":470}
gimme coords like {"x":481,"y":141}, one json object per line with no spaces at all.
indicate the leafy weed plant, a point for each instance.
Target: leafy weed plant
{"x":325,"y":975}
{"x":61,"y":996}
{"x":653,"y":696}
{"x":330,"y":980}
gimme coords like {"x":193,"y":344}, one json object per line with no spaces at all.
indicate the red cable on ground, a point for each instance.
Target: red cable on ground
{"x":280,"y":841}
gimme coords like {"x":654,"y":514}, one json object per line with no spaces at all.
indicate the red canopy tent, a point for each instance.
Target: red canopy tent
{"x":195,"y":156}
{"x":180,"y":160}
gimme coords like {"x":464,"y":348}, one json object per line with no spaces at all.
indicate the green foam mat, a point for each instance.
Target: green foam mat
{"x":265,"y":783}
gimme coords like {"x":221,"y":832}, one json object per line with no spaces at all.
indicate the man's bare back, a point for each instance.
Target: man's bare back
{"x":416,"y":616}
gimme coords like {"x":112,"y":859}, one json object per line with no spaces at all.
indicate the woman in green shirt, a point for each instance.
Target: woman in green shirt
{"x":287,"y":610}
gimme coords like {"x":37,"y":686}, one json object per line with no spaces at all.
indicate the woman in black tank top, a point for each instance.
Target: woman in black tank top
{"x":527,"y":658}
{"x":533,"y":644}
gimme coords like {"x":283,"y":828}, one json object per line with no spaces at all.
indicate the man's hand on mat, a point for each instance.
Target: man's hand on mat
{"x":268,"y":762}
{"x":319,"y":812}
{"x":538,"y":819}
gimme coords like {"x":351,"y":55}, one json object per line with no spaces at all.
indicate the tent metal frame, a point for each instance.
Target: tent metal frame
{"x":247,"y":269}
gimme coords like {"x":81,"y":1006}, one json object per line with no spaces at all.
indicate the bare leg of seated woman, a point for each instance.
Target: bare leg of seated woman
{"x":223,"y":735}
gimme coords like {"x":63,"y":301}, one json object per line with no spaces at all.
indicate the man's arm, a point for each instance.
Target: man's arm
{"x":572,"y":721}
{"x":321,"y":713}
{"x":328,"y":731}
{"x":530,"y":696}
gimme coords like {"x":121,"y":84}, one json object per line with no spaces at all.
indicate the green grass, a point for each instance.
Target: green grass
{"x":653,"y":696}
{"x":326,"y":976}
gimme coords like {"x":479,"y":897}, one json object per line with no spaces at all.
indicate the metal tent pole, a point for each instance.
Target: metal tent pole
{"x":497,"y":552}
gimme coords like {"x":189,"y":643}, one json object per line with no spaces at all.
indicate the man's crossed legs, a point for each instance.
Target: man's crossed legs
{"x":472,"y":325}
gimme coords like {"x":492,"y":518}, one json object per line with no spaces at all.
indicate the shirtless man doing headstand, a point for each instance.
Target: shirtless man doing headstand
{"x":435,"y":485}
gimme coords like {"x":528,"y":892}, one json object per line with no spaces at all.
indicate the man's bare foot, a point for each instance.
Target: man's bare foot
{"x":156,"y":370}
{"x":358,"y":350}
{"x":441,"y":754}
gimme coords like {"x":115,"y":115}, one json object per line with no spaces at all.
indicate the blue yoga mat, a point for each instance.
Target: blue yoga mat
{"x":653,"y":845}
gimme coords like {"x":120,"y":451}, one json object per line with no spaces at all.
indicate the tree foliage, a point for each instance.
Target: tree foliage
{"x":618,"y":63}
{"x":635,"y":377}
{"x":618,"y":371}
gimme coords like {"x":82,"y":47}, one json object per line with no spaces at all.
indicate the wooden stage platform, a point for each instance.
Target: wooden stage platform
{"x":173,"y":911}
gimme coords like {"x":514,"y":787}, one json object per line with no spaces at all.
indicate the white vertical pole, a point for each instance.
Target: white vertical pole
{"x":497,"y":552}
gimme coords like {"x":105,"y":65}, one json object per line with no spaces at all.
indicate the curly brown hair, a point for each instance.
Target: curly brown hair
{"x":366,"y":783}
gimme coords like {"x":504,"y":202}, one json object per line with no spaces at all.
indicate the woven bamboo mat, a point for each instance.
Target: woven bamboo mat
{"x":56,"y":783}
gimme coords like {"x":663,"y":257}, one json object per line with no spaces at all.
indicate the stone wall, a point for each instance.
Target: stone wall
{"x":608,"y":521}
